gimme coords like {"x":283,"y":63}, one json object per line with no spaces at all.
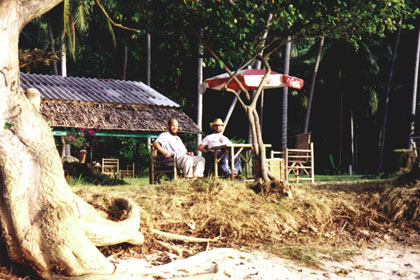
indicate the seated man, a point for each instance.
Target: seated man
{"x":168,"y":144}
{"x":216,"y":139}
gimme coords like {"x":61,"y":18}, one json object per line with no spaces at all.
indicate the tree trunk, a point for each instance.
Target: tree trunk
{"x":311,"y":90}
{"x":386,"y":103}
{"x":148,"y":58}
{"x":125,"y":60}
{"x":44,"y":224}
{"x":51,"y":38}
{"x":285,"y":99}
{"x":63,"y":55}
{"x":414,"y":95}
{"x":199,"y":93}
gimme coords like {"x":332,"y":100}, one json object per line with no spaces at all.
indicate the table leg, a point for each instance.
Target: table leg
{"x":246,"y":164}
{"x":215,"y":164}
{"x":232,"y":163}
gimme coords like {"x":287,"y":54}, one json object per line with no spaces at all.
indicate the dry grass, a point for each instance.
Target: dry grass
{"x":332,"y":220}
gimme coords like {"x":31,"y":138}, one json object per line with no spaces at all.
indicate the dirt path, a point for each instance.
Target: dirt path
{"x":225,"y":263}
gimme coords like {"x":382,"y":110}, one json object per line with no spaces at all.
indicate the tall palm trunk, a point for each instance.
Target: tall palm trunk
{"x":414,"y":96}
{"x":149,"y":58}
{"x":311,"y":91}
{"x":386,"y":103}
{"x":51,"y":38}
{"x":199,"y":93}
{"x":125,"y":61}
{"x":285,"y":98}
{"x":63,"y":55}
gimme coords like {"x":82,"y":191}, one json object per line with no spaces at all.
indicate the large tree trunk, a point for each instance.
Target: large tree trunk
{"x":44,"y":224}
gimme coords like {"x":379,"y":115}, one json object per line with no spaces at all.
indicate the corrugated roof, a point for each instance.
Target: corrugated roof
{"x":94,"y":90}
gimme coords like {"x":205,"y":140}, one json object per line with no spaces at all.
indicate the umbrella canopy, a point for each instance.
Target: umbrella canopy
{"x":251,"y":79}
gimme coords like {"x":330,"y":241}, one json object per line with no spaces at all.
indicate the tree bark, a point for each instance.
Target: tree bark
{"x":285,"y":99}
{"x":125,"y":60}
{"x":51,"y":38}
{"x":44,"y":224}
{"x":311,"y":91}
{"x":63,"y":55}
{"x":386,"y":103}
{"x":199,"y":93}
{"x":414,"y":95}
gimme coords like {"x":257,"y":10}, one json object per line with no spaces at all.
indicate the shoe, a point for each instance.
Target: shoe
{"x":238,"y":176}
{"x":227,"y":176}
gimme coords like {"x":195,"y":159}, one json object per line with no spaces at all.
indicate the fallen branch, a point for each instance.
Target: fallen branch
{"x":183,"y":237}
{"x":174,"y":248}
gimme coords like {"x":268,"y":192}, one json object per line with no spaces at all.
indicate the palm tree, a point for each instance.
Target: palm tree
{"x":414,"y":96}
{"x":285,"y":98}
{"x":386,"y":103}
{"x":311,"y":90}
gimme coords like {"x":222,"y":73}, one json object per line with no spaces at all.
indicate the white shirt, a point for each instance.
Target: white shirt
{"x":171,"y":143}
{"x":215,"y":139}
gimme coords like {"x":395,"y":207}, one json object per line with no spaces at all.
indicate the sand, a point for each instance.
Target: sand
{"x":226,"y":263}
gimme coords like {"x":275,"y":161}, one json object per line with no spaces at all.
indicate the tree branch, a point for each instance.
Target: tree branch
{"x":30,"y":9}
{"x":113,"y":22}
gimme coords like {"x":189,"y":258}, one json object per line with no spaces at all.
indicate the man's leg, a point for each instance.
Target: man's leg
{"x":237,"y":165}
{"x":185,"y":162}
{"x":199,"y":164}
{"x":224,"y":165}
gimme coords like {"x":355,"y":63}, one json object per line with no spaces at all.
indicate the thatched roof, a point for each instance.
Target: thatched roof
{"x":114,"y":117}
{"x":105,"y":104}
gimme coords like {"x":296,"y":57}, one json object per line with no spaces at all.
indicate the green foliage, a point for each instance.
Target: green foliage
{"x":8,"y":125}
{"x":80,"y":137}
{"x":129,"y":147}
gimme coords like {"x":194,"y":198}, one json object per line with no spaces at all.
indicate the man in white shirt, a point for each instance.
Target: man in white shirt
{"x":169,"y":144}
{"x":216,"y":139}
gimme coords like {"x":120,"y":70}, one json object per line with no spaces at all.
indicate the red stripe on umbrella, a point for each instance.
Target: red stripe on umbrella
{"x":250,"y":80}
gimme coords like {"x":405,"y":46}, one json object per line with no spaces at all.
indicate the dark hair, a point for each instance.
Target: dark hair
{"x":170,"y":121}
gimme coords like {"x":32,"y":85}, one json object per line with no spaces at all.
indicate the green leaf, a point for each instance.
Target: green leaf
{"x":8,"y":125}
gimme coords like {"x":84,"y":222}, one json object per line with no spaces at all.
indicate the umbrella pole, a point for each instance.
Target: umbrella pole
{"x":229,"y":113}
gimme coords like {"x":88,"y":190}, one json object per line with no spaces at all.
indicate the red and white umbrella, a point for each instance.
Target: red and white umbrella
{"x":251,"y":79}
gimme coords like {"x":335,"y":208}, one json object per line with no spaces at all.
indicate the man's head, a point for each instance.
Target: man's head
{"x":217,"y":125}
{"x":173,"y":126}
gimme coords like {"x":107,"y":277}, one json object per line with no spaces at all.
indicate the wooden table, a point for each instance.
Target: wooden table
{"x":234,"y":150}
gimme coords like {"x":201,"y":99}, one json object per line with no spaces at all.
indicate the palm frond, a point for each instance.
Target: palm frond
{"x":66,"y":17}
{"x":81,"y":15}
{"x":111,"y":31}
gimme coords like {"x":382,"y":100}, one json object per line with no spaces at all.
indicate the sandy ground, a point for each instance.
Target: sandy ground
{"x":225,"y":263}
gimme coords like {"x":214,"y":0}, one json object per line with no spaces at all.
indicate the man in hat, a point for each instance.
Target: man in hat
{"x":169,"y":144}
{"x":216,"y":139}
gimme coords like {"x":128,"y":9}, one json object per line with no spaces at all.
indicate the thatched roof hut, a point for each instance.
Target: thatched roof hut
{"x":117,"y":108}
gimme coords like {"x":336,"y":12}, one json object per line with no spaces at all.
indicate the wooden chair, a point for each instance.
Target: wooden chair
{"x":161,"y":167}
{"x":129,"y":171}
{"x":277,"y":168}
{"x":111,"y":166}
{"x":300,"y":160}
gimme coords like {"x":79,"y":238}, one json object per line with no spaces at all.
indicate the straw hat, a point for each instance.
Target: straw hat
{"x":216,"y":121}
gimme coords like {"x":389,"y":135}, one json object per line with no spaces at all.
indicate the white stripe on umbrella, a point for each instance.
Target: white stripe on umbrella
{"x":250,"y":79}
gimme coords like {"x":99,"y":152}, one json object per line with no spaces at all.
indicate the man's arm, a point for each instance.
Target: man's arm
{"x":161,"y":150}
{"x":202,"y":148}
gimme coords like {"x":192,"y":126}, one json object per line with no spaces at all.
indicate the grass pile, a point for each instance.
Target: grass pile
{"x":325,"y":219}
